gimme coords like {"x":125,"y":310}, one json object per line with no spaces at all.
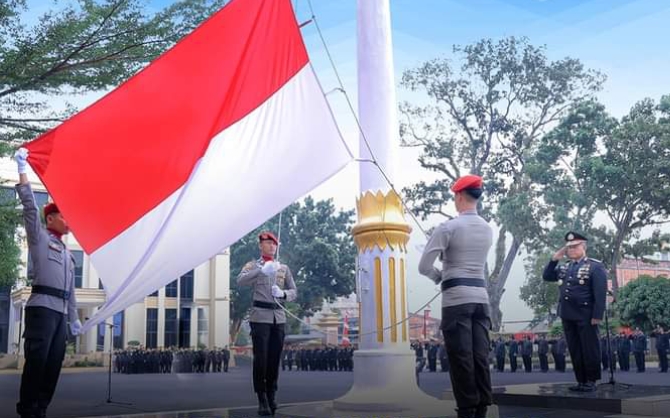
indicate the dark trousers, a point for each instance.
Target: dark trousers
{"x":544,"y":362}
{"x":527,"y":363}
{"x":559,"y":362}
{"x":268,"y":342}
{"x":512,"y":363}
{"x":604,"y":358}
{"x":624,"y":361}
{"x":663,"y":360}
{"x":466,"y":332}
{"x":584,"y":347}
{"x":639,"y":361}
{"x":432,"y":364}
{"x":444,"y":364}
{"x":44,"y":350}
{"x":500,"y":363}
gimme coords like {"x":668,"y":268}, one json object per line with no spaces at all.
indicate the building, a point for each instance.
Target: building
{"x":191,"y":311}
{"x":630,"y":269}
{"x":424,"y":327}
{"x":341,"y":308}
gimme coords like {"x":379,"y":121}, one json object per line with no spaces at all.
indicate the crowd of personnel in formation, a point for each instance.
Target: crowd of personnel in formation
{"x":504,"y":350}
{"x":621,"y":347}
{"x":324,"y":358}
{"x":140,"y":361}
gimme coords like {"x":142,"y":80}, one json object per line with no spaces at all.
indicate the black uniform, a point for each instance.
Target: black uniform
{"x":527,"y":355}
{"x":662,"y":346}
{"x":623,"y":348}
{"x":582,"y":292}
{"x":558,"y":353}
{"x":513,"y":352}
{"x":500,"y":355}
{"x":639,"y":349}
{"x":542,"y":353}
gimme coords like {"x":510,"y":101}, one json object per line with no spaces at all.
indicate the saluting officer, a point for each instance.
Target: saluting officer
{"x":52,"y":302}
{"x":271,"y":280}
{"x":582,"y":291}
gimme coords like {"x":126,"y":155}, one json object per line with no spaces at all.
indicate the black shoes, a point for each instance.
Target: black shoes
{"x":584,"y":387}
{"x":577,"y":388}
{"x":480,"y":412}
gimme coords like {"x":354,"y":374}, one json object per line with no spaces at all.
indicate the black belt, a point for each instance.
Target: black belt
{"x":460,"y":281}
{"x":51,"y":291}
{"x":266,"y":305}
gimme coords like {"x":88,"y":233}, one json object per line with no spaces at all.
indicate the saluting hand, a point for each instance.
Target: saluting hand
{"x":558,"y":255}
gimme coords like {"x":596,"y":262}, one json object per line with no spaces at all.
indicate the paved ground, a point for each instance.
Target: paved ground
{"x":84,"y":394}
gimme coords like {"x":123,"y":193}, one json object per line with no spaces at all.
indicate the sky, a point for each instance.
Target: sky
{"x":625,"y":39}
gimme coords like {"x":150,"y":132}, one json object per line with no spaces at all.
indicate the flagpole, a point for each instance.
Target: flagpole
{"x":384,"y":375}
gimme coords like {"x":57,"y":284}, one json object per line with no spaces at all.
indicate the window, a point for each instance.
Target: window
{"x":118,"y":330}
{"x":8,"y":196}
{"x":100,"y":343}
{"x":78,"y":268}
{"x":185,"y":328}
{"x":170,"y":328}
{"x":41,"y":199}
{"x":203,"y":327}
{"x":152,"y":328}
{"x":171,"y":290}
{"x":186,"y":286}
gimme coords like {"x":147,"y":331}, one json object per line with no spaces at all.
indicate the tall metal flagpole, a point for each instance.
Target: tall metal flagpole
{"x":384,"y":372}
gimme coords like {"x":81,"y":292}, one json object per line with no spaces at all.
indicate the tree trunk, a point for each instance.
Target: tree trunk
{"x":497,"y":282}
{"x":235,"y":330}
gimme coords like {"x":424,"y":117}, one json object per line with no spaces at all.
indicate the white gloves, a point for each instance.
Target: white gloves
{"x":75,"y":327}
{"x":277,"y":292}
{"x":21,"y":157}
{"x":269,"y":268}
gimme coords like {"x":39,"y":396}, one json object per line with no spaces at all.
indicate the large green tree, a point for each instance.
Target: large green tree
{"x":644,"y":302}
{"x":77,"y":47}
{"x":316,"y":245}
{"x":490,"y":104}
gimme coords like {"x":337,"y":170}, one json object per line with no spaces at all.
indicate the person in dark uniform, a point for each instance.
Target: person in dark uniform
{"x":543,"y":353}
{"x":462,"y":244}
{"x":513,"y":351}
{"x":604,"y":353}
{"x":527,"y":354}
{"x":623,"y":348}
{"x":558,"y":353}
{"x":582,"y":291}
{"x":444,"y":358}
{"x":52,"y":304}
{"x":226,"y":359}
{"x":432,"y":357}
{"x":662,"y":347}
{"x":271,"y":281}
{"x":500,"y":354}
{"x":639,"y":350}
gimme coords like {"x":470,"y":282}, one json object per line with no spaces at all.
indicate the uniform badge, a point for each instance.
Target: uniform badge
{"x":280,"y":277}
{"x":560,"y":282}
{"x":54,"y":246}
{"x":570,"y":237}
{"x":581,"y":281}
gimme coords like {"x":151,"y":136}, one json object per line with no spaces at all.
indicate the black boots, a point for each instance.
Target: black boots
{"x":271,"y":402}
{"x":478,"y":412}
{"x":263,"y":407}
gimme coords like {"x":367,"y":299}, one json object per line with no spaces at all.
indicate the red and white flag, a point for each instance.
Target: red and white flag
{"x":345,"y":330}
{"x":213,"y":138}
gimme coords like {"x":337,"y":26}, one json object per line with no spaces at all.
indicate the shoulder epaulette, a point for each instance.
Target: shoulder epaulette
{"x":594,"y":260}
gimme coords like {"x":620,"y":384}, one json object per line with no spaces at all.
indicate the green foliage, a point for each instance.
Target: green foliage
{"x":491,"y":104}
{"x":643,"y":303}
{"x":76,"y":47}
{"x":539,"y":295}
{"x":10,"y":251}
{"x":317,"y":247}
{"x":556,"y":330}
{"x":242,"y":339}
{"x":133,"y":343}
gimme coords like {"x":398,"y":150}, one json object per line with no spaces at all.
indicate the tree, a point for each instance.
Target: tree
{"x":643,"y":303}
{"x":486,"y":118}
{"x":82,"y":46}
{"x":315,"y":244}
{"x":592,"y":162}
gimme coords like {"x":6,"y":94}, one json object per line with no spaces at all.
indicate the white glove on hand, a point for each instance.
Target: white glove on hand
{"x":21,"y":157}
{"x":75,"y":327}
{"x":269,"y":268}
{"x":277,"y":292}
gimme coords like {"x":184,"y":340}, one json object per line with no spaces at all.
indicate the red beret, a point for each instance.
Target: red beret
{"x":50,"y":208}
{"x":264,"y":236}
{"x":467,"y":182}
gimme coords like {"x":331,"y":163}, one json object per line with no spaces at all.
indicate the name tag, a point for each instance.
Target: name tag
{"x":54,"y":246}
